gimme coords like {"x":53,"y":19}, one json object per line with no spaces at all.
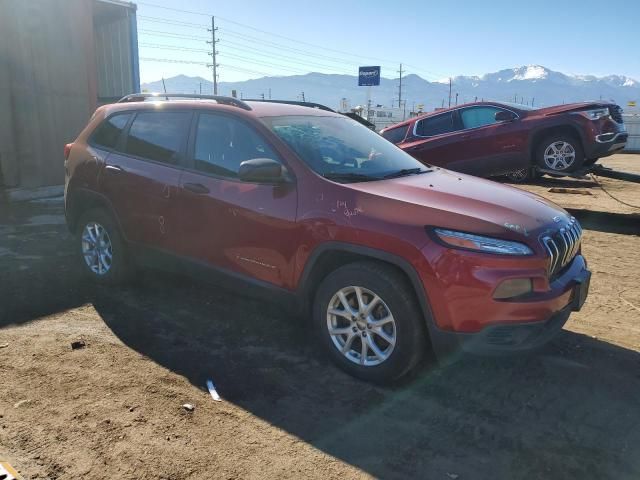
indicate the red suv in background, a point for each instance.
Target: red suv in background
{"x":488,"y":138}
{"x":388,"y":258}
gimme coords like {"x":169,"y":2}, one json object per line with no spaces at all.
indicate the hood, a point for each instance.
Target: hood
{"x":451,"y":200}
{"x":571,"y":107}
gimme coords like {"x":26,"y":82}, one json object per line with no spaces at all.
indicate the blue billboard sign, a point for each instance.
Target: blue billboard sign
{"x":369,"y":76}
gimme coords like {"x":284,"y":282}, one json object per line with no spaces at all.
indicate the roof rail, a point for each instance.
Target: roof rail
{"x":221,"y":99}
{"x":292,"y":102}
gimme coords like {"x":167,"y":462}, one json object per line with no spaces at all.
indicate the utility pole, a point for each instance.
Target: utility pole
{"x":400,"y":88}
{"x":213,"y":54}
{"x":532,"y":101}
{"x":449,"y":91}
{"x":456,"y":99}
{"x":303,"y":99}
{"x":269,"y":93}
{"x":200,"y":88}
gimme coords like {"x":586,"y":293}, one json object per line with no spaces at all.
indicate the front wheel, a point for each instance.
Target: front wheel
{"x":369,"y":323}
{"x":560,"y":153}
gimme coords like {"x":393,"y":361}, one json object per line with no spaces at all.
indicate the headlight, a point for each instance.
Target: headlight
{"x":594,"y":114}
{"x":479,"y":243}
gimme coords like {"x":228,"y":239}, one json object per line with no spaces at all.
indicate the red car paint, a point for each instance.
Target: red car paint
{"x":274,"y":234}
{"x":507,"y":146}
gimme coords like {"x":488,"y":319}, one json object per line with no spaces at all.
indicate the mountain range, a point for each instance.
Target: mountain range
{"x":526,"y":84}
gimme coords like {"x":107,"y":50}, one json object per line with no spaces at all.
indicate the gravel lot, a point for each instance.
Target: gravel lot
{"x":113,"y":409}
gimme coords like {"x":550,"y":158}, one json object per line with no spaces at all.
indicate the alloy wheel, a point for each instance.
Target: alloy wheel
{"x":97,"y":249}
{"x":361,"y":326}
{"x":559,"y":155}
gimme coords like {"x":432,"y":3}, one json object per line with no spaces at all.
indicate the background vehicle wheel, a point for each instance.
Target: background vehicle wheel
{"x":368,"y":321}
{"x":562,"y":153}
{"x":100,"y":247}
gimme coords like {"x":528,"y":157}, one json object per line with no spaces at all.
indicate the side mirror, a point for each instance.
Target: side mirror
{"x":505,"y":116}
{"x":262,"y":170}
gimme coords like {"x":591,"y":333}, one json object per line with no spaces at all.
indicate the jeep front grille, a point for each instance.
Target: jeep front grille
{"x":562,"y":246}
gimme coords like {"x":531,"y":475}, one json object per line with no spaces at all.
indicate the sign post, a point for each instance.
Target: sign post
{"x":369,"y":77}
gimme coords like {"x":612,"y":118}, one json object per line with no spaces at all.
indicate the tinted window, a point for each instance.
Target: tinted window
{"x":478,"y":116}
{"x":395,"y":135}
{"x":108,"y":133}
{"x":436,"y":125}
{"x":158,"y":135}
{"x":223,"y":143}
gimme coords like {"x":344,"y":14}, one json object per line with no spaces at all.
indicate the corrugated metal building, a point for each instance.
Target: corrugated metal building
{"x":59,"y":60}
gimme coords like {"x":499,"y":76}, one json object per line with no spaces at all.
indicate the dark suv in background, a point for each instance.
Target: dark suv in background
{"x":387,"y":258}
{"x":490,"y":139}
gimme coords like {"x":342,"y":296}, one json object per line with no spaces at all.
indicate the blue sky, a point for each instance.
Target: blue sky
{"x":434,"y":39}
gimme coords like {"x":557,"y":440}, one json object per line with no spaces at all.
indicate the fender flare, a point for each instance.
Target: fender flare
{"x":80,"y":196}
{"x":305,"y":284}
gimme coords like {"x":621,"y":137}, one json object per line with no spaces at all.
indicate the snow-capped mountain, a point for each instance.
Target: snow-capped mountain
{"x":528,"y":84}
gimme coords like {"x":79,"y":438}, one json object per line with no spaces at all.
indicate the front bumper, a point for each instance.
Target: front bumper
{"x":606,"y":144}
{"x":467,"y":318}
{"x":500,"y":339}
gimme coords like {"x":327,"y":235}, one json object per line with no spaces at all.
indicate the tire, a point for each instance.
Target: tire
{"x":523,"y":175}
{"x":98,"y":224}
{"x":561,"y":152}
{"x":407,"y":326}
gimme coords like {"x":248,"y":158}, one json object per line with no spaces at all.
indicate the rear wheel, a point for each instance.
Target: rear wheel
{"x":368,"y":321}
{"x":101,"y":248}
{"x":560,"y":153}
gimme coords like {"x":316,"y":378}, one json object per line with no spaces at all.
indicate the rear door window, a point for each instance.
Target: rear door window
{"x":437,"y":125}
{"x":158,"y":136}
{"x":109,"y":131}
{"x":475,"y":117}
{"x":396,"y":135}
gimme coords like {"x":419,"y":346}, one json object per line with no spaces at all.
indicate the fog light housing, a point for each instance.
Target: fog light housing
{"x":512,"y":288}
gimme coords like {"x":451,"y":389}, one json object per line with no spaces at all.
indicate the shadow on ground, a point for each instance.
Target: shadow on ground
{"x":570,"y":411}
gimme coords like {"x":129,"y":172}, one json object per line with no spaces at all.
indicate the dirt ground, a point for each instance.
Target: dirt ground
{"x":114,"y":408}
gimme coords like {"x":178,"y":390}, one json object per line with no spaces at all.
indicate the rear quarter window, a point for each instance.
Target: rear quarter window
{"x":396,"y":135}
{"x":108,"y":132}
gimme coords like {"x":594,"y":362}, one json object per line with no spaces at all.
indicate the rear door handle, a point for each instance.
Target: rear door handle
{"x":114,"y":168}
{"x":196,"y":188}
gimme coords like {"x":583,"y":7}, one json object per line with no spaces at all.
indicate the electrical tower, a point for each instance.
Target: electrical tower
{"x":449,"y":91}
{"x":213,"y":54}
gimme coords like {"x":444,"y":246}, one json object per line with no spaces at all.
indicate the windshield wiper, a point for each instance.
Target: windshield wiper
{"x":405,"y":172}
{"x":349,"y":177}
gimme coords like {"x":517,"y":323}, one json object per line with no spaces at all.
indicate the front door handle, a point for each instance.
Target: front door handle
{"x":114,"y":169}
{"x":196,"y":188}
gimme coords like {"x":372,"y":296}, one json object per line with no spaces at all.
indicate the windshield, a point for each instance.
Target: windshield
{"x":341,"y":149}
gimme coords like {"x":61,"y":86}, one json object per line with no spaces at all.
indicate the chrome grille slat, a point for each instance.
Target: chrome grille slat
{"x":562,"y":246}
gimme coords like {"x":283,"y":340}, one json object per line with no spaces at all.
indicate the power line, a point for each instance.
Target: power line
{"x":170,"y":34}
{"x":171,"y":47}
{"x":172,"y":22}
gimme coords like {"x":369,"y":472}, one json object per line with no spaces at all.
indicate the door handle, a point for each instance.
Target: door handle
{"x":196,"y":188}
{"x":114,"y":169}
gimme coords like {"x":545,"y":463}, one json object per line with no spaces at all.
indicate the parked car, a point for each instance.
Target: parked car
{"x":490,"y":139}
{"x":388,"y":258}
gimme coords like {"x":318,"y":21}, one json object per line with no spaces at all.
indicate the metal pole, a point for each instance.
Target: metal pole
{"x":213,"y":55}
{"x":400,"y":88}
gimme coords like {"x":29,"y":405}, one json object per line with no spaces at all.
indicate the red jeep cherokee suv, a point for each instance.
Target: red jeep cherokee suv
{"x":388,"y":257}
{"x":489,"y":138}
